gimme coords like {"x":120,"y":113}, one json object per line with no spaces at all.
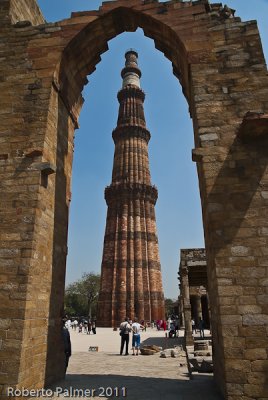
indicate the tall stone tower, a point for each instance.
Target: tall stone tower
{"x":131,"y":282}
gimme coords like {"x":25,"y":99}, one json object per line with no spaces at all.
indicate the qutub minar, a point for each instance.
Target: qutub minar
{"x":131,"y":281}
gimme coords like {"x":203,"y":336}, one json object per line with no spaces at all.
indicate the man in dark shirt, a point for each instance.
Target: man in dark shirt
{"x":125,"y":328}
{"x":66,"y":343}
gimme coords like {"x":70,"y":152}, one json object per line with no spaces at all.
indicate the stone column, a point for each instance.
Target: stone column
{"x":186,"y":306}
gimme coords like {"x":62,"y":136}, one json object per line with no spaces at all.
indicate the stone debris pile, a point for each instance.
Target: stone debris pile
{"x":200,"y":357}
{"x":150,"y":350}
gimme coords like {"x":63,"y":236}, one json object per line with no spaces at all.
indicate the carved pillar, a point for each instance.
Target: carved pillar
{"x":186,"y":306}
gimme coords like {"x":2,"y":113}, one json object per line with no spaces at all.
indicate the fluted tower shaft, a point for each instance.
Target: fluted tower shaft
{"x":131,"y":282}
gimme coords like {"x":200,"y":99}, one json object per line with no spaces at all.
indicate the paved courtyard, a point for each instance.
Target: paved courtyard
{"x":105,"y":374}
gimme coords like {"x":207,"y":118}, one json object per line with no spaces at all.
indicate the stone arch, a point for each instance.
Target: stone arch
{"x":219,"y":62}
{"x":83,"y":53}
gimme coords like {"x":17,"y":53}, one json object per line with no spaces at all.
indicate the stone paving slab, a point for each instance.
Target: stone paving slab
{"x":106,"y":374}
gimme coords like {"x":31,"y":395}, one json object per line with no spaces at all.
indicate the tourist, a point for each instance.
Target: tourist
{"x":164,"y":325}
{"x":201,"y":328}
{"x":89,"y":326}
{"x":143,"y":323}
{"x":66,"y":343}
{"x":75,"y":324}
{"x":136,"y":338}
{"x":125,"y":328}
{"x":177,"y":325}
{"x":68,"y":323}
{"x":193,"y":326}
{"x":85,"y":326}
{"x":94,"y":326}
{"x":172,"y":330}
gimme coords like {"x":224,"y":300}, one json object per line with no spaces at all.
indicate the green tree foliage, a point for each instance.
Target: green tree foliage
{"x":81,"y":297}
{"x":171,"y":307}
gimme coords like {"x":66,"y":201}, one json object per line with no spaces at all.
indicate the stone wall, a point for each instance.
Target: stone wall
{"x":25,"y":10}
{"x":219,"y":62}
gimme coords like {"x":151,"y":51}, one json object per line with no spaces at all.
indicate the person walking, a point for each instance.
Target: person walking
{"x":136,"y":338}
{"x":85,"y":324}
{"x":202,"y":328}
{"x":75,"y":324}
{"x":168,"y":323}
{"x":94,"y":326}
{"x":193,"y":326}
{"x":89,"y":326}
{"x":124,"y":328}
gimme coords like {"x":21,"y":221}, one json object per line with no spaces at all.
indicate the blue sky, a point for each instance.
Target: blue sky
{"x":178,"y":210}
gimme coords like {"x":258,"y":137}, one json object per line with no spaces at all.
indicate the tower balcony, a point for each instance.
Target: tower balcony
{"x":130,"y":191}
{"x":127,"y":132}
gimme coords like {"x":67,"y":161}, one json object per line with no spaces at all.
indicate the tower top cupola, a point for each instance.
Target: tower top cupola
{"x":131,"y":73}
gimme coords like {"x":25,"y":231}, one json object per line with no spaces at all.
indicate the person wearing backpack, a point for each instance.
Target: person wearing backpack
{"x":125,"y":328}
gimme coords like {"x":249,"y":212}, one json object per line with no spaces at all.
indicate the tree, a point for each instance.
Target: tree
{"x":81,"y":296}
{"x":171,"y":307}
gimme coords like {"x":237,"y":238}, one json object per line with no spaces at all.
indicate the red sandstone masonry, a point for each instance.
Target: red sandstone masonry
{"x":130,"y":251}
{"x":221,"y":86}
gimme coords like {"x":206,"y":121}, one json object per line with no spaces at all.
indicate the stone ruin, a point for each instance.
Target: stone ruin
{"x":219,"y":62}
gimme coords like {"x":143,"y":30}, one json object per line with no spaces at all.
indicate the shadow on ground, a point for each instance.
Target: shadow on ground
{"x":165,"y":342}
{"x":206,"y":337}
{"x":132,"y":387}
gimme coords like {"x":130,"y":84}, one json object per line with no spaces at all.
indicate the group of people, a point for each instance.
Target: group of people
{"x":83,"y":325}
{"x":87,"y":326}
{"x":172,"y":325}
{"x":200,"y":325}
{"x":67,"y":324}
{"x":126,"y":327}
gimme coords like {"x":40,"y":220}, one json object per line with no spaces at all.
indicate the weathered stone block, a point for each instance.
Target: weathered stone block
{"x":236,"y":377}
{"x":234,"y":352}
{"x":262,"y":299}
{"x":252,"y":319}
{"x":240,"y":250}
{"x":235,"y":342}
{"x":231,"y":290}
{"x":5,"y":324}
{"x":253,"y":272}
{"x":238,"y":365}
{"x":256,"y":354}
{"x":260,"y":365}
{"x":255,"y":343}
{"x":228,"y":310}
{"x":230,"y":331}
{"x":249,"y":309}
{"x":252,"y":331}
{"x":256,"y":390}
{"x":247,"y":299}
{"x":236,"y":389}
{"x":257,"y":378}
